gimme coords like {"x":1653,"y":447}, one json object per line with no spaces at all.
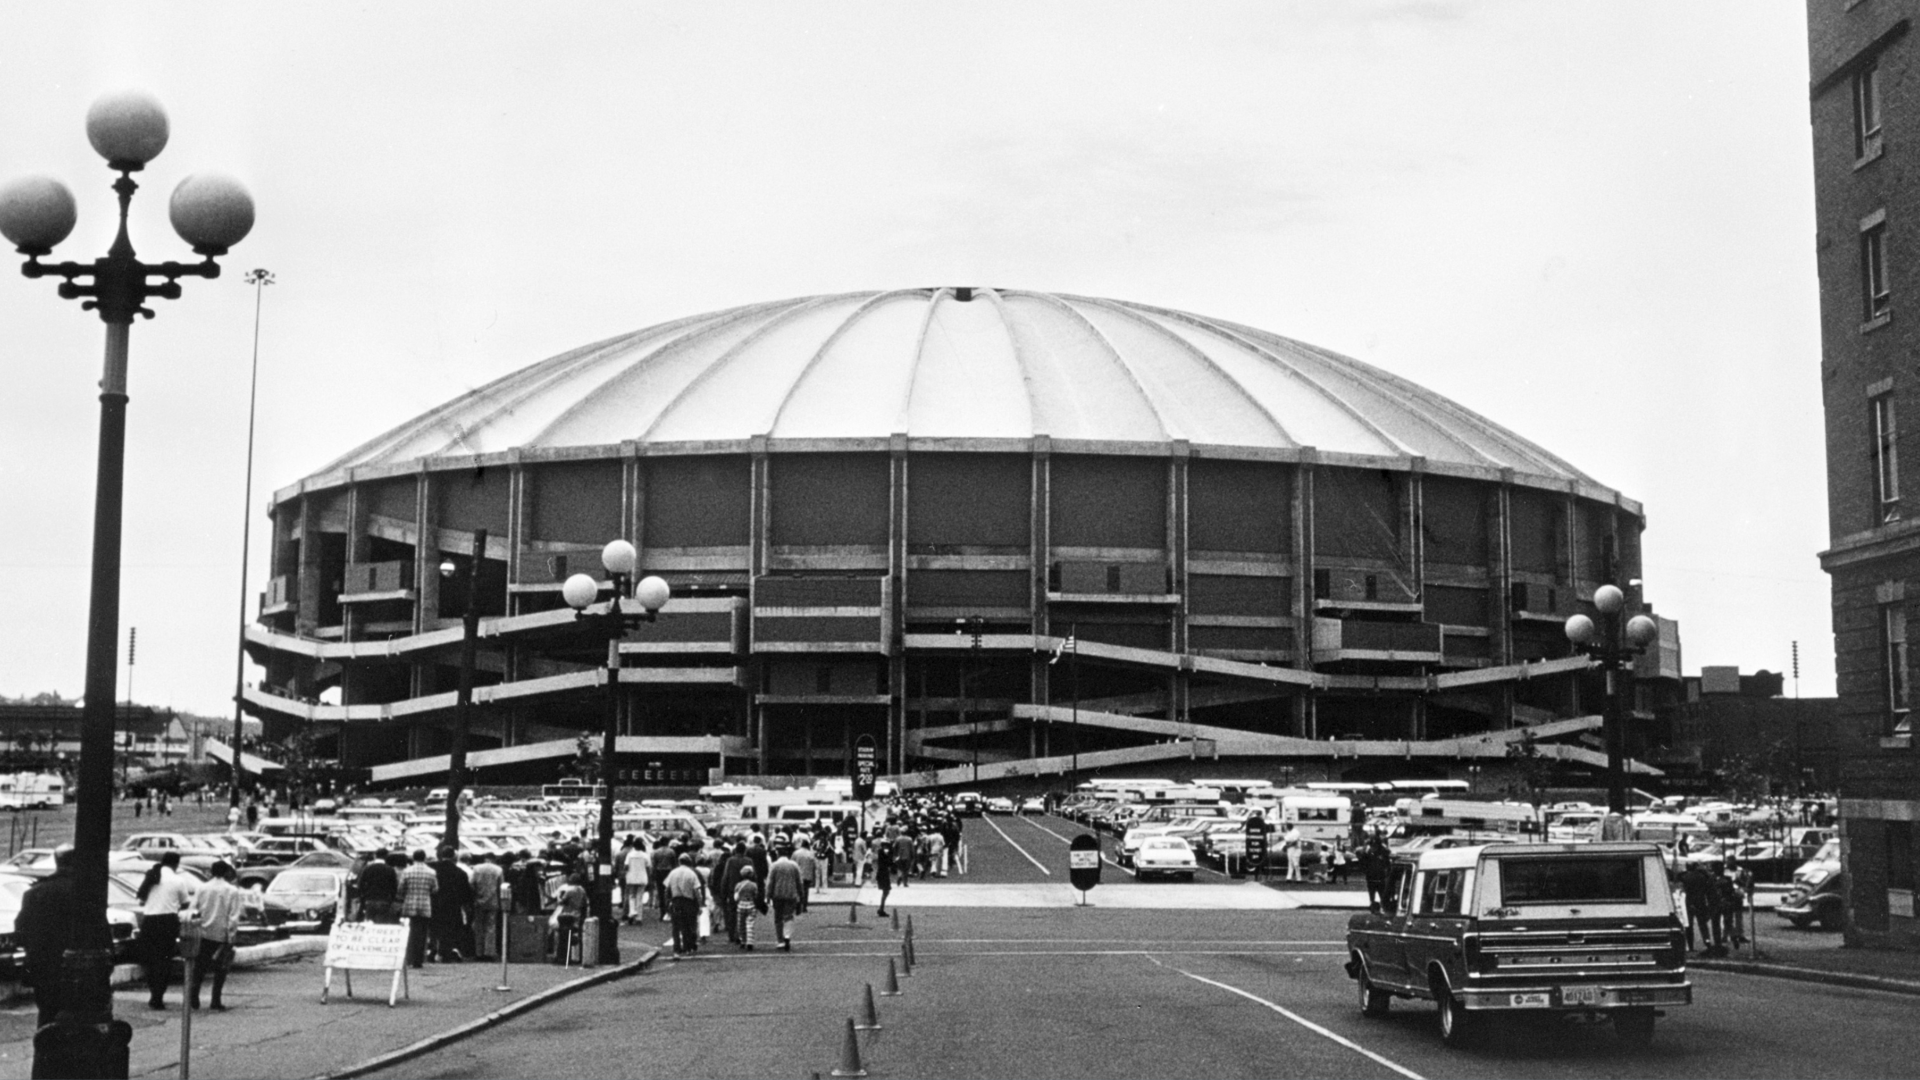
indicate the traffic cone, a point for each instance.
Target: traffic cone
{"x":909,"y":927}
{"x":913,"y":957}
{"x":869,"y":1018}
{"x":906,"y":959}
{"x":850,"y":1054}
{"x":853,"y":914}
{"x":896,"y":918}
{"x":892,"y":988}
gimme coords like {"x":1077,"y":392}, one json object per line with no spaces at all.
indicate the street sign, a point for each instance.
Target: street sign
{"x":1083,"y":862}
{"x":1256,"y":844}
{"x":866,"y":767}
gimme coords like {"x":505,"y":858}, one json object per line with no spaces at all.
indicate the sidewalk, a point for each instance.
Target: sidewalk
{"x":278,"y":1027}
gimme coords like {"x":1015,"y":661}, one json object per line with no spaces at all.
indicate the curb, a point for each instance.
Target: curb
{"x":507,"y":1012}
{"x":1806,"y":974}
{"x":125,"y":975}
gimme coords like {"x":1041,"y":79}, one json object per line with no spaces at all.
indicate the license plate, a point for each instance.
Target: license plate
{"x":1579,"y":995}
{"x":1528,"y":1001}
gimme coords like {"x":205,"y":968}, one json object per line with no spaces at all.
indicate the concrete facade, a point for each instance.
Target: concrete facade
{"x":983,"y":603}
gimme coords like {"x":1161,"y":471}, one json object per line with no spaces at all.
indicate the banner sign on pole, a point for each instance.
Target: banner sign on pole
{"x":367,"y":946}
{"x":866,"y":771}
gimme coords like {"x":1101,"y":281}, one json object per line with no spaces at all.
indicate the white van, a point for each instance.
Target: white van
{"x":811,"y":813}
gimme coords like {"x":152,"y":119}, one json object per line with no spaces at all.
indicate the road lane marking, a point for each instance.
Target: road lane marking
{"x":1016,"y":846}
{"x":1306,"y":1023}
{"x":1103,"y":851}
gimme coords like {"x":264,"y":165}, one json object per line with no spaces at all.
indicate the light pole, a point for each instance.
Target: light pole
{"x":974,"y":625}
{"x":259,"y":279}
{"x":1614,"y":644}
{"x":463,"y":708}
{"x":212,"y":213}
{"x":581,"y":592}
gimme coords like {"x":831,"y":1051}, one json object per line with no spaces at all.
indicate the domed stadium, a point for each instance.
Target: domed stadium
{"x":1007,"y":534}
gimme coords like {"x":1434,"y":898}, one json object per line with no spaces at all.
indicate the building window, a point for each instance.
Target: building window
{"x":1877,"y":295}
{"x":1866,"y":112}
{"x":1886,"y":460}
{"x":1893,"y":665}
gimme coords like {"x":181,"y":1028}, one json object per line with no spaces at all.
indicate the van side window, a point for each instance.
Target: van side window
{"x":1441,"y":892}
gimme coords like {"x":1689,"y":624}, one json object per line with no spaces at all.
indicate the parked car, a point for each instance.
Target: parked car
{"x":305,"y":901}
{"x":1821,"y":898}
{"x":1033,"y":804}
{"x":121,"y":923}
{"x":1578,"y":930}
{"x":999,"y":804}
{"x":1167,"y":855}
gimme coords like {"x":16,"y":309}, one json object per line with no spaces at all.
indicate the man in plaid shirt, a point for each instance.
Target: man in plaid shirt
{"x":417,"y":886}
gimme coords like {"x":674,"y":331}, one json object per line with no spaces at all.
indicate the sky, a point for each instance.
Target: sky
{"x":1591,"y":222}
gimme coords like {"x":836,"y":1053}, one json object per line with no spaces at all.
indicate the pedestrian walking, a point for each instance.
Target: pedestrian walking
{"x":883,"y":874}
{"x":217,"y":911}
{"x":452,"y":909}
{"x":487,"y":880}
{"x":786,"y":887}
{"x":746,"y":906}
{"x":810,"y":874}
{"x":380,"y":889}
{"x":418,"y":883}
{"x":685,"y":896}
{"x":665,"y":858}
{"x":633,"y":878}
{"x":164,"y":893}
{"x":45,"y":929}
{"x":1374,"y":863}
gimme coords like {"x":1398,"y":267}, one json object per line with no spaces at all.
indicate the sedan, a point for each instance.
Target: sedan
{"x":305,"y":901}
{"x":1033,"y":804}
{"x":1164,"y":855}
{"x":999,"y":805}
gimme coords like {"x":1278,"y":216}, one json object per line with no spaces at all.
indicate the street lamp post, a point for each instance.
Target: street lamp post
{"x":581,"y":592}
{"x":259,"y":278}
{"x":1614,"y":644}
{"x":463,"y":707}
{"x":211,"y":213}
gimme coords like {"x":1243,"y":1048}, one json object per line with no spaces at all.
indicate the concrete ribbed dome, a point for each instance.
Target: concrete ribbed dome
{"x":947,"y":363}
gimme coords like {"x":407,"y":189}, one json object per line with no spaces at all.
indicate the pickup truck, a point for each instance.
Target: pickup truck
{"x":1585,"y":930}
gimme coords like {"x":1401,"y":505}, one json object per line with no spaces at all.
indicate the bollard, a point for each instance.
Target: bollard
{"x":869,"y":1017}
{"x":853,"y":914}
{"x":850,"y":1054}
{"x":892,"y":987}
{"x":896,"y":917}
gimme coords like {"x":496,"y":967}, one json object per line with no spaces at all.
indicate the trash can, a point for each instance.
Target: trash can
{"x":590,"y":942}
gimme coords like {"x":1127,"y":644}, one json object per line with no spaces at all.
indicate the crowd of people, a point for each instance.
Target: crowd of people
{"x":702,"y":886}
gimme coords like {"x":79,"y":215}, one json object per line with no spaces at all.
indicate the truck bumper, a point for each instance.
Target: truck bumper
{"x":1577,"y":996}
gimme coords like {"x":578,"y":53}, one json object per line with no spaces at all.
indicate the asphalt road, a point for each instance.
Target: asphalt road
{"x":1113,"y":991}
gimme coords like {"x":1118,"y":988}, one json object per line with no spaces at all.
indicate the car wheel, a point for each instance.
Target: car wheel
{"x":1373,"y":1000}
{"x":1634,"y":1026}
{"x":1456,"y":1024}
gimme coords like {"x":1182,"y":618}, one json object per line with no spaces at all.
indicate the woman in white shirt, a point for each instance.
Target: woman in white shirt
{"x":164,"y":894}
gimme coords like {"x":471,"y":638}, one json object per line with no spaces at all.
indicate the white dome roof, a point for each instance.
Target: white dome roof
{"x":959,"y":364}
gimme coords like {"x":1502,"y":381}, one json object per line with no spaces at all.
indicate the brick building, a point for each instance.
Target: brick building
{"x":1865,"y":103}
